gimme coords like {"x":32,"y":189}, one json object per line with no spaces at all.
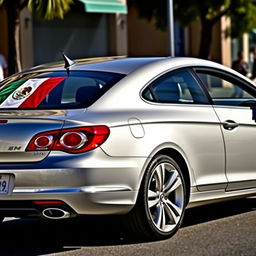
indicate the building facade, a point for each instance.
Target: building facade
{"x":145,"y":40}
{"x":91,"y":28}
{"x":103,"y":28}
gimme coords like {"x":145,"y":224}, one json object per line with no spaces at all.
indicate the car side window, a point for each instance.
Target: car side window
{"x":226,"y":90}
{"x":175,"y":87}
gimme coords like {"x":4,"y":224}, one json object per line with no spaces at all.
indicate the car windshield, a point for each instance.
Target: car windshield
{"x":55,"y":90}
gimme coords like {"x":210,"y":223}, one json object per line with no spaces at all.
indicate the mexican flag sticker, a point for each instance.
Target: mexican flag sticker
{"x":28,"y":94}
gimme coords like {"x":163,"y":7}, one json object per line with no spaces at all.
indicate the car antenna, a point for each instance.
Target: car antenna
{"x":68,"y":63}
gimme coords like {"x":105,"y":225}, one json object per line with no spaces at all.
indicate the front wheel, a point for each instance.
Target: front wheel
{"x":161,"y":202}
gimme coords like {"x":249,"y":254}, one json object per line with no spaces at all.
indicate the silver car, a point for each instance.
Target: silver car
{"x":141,"y":137}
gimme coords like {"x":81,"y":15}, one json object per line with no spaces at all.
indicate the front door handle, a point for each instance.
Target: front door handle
{"x":230,"y":125}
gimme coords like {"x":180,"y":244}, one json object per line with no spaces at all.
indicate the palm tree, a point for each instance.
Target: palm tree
{"x":42,"y":9}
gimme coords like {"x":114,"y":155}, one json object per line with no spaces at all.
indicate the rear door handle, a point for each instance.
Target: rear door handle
{"x":230,"y":125}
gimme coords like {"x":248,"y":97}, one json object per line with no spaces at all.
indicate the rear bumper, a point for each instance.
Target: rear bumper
{"x":90,"y":183}
{"x":82,"y":200}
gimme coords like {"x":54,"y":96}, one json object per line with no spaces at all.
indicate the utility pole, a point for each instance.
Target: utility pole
{"x":170,"y":28}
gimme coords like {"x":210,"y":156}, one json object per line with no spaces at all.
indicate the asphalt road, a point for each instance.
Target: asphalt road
{"x":220,"y":229}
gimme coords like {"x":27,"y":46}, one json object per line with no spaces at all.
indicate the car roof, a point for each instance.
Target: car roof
{"x":108,"y":64}
{"x":124,"y":65}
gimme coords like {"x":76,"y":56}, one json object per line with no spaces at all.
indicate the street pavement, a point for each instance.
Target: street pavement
{"x":220,"y":229}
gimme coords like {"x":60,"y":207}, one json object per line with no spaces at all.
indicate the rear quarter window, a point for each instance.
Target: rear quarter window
{"x":178,"y":86}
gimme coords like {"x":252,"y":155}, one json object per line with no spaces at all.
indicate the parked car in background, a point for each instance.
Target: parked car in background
{"x":141,"y":137}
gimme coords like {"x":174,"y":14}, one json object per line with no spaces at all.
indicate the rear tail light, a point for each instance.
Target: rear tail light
{"x":43,"y":202}
{"x":44,"y":141}
{"x":72,"y":140}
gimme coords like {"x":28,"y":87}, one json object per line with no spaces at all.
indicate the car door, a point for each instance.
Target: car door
{"x":233,"y":99}
{"x":188,"y":120}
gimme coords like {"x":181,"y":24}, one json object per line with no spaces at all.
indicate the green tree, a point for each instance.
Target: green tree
{"x":208,"y":12}
{"x":42,"y":9}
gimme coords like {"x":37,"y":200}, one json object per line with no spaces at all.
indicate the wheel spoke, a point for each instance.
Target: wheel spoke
{"x":159,"y":215}
{"x":152,"y":203}
{"x":152,"y":194}
{"x":174,"y":218}
{"x":163,"y":219}
{"x":170,"y":181}
{"x":174,"y":208}
{"x":160,"y":176}
{"x":153,"y":198}
{"x":174,"y":186}
{"x":163,"y":173}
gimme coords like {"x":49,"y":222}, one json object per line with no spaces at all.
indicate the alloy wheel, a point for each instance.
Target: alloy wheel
{"x":165,"y":197}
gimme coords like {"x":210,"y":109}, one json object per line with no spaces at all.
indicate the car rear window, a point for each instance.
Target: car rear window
{"x":55,"y":90}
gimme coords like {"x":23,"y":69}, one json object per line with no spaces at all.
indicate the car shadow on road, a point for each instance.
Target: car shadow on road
{"x":216,"y":211}
{"x":30,"y":237}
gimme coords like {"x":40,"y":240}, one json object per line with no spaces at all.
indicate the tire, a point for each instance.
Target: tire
{"x":161,"y":202}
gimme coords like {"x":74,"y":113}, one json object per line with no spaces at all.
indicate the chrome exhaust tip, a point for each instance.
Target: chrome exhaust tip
{"x":55,"y":213}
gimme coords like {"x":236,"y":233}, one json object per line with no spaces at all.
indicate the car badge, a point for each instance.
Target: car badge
{"x":22,"y":93}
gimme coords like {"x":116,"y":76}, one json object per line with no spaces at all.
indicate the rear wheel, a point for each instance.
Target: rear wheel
{"x":160,"y":207}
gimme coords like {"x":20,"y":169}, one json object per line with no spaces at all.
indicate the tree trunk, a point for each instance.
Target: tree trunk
{"x":13,"y":12}
{"x":206,"y":39}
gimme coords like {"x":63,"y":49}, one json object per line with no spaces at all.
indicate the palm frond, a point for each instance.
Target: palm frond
{"x":49,"y":9}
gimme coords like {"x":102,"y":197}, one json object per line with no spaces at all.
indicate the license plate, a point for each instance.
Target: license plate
{"x":4,"y":184}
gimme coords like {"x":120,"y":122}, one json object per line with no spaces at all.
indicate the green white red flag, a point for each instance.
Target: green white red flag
{"x":28,"y":94}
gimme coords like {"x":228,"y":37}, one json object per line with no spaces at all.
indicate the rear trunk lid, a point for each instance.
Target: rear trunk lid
{"x":17,"y":129}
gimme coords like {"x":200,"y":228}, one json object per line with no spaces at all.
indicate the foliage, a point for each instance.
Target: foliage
{"x":50,"y":9}
{"x":242,"y":12}
{"x":43,"y":9}
{"x":208,"y":12}
{"x":243,"y":16}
